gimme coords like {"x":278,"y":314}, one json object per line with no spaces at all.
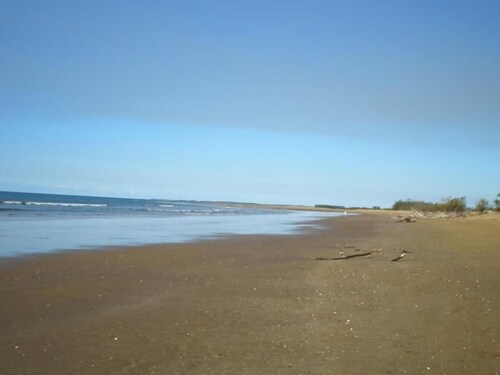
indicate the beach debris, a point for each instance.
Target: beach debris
{"x":378,"y":250}
{"x":346,"y":256}
{"x":414,"y":215}
{"x":408,"y":219}
{"x":401,"y":256}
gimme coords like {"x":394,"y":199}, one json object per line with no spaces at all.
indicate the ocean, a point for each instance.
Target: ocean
{"x":40,"y":223}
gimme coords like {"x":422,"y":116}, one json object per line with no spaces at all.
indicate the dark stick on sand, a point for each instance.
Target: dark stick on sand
{"x":346,"y":257}
{"x":401,"y":256}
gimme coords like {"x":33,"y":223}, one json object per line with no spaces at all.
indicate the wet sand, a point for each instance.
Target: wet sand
{"x":262,"y":305}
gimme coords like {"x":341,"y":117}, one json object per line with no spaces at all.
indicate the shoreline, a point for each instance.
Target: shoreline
{"x":51,"y":235}
{"x":303,"y":228}
{"x":259,"y":304}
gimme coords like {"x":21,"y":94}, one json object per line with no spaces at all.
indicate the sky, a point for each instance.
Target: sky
{"x":354,"y":103}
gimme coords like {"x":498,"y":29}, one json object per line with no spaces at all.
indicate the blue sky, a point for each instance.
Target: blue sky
{"x":341,"y":102}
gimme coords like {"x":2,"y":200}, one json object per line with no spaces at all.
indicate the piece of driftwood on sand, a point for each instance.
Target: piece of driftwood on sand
{"x":413,"y":216}
{"x":400,"y":256}
{"x":346,"y":257}
{"x":408,"y":219}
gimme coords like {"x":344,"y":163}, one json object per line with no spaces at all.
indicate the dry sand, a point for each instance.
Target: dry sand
{"x":261,"y":305}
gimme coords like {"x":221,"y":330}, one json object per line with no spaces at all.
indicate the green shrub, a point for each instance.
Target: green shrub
{"x":457,"y":205}
{"x":482,"y":205}
{"x":411,"y":204}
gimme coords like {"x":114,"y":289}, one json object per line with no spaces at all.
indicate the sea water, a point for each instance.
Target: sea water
{"x":38,"y":223}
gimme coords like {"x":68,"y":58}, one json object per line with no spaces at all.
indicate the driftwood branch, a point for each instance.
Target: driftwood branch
{"x":346,"y":257}
{"x":408,"y":219}
{"x":415,"y":215}
{"x":401,"y":256}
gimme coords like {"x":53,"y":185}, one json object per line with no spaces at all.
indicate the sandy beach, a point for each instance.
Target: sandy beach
{"x":263,"y":305}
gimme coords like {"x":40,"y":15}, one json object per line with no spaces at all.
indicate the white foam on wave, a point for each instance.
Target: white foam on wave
{"x":167,"y":205}
{"x":66,"y":204}
{"x":56,"y":204}
{"x":11,"y":202}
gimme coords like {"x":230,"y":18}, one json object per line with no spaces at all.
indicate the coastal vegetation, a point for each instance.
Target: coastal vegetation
{"x":447,"y":205}
{"x":482,"y":205}
{"x":329,"y":206}
{"x":456,"y":205}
